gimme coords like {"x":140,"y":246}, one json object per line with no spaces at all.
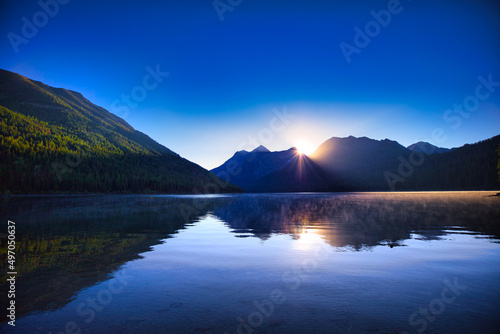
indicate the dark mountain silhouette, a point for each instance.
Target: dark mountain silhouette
{"x":360,"y":163}
{"x":364,"y":164}
{"x":427,"y":148}
{"x":244,"y":168}
{"x":261,"y":149}
{"x":338,"y":164}
{"x":367,"y":164}
{"x":470,"y":167}
{"x":54,"y":140}
{"x":301,"y":175}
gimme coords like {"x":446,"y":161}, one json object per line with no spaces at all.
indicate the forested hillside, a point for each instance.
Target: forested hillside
{"x":54,"y":140}
{"x":470,"y":167}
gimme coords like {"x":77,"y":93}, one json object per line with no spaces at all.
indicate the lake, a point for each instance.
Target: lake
{"x":255,"y":263}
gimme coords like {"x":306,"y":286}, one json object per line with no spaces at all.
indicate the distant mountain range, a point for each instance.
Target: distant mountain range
{"x":55,"y":140}
{"x":364,"y":164}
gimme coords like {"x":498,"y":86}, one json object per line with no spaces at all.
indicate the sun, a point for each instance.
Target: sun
{"x":304,"y":147}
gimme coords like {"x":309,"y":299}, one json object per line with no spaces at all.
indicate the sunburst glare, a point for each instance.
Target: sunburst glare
{"x":304,"y":147}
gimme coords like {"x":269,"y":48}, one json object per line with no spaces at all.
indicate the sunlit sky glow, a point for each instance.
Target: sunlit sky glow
{"x":226,"y":77}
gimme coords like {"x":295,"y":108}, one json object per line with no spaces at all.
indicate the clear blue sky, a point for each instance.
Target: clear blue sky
{"x":226,"y":77}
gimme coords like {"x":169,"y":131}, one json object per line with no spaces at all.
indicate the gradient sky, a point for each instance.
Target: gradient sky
{"x":226,"y":77}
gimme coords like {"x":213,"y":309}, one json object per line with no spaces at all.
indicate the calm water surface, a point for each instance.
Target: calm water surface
{"x":274,"y":263}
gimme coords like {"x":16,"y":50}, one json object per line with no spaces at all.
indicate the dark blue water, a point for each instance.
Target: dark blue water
{"x":279,"y":263}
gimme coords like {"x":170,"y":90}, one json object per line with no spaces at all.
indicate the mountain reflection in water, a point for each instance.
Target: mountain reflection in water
{"x":67,"y":244}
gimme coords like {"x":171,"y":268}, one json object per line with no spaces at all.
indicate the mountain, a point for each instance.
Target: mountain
{"x":338,"y":164}
{"x":367,"y":164}
{"x":361,"y":163}
{"x":364,"y":164}
{"x":498,"y":164}
{"x":470,"y":167}
{"x":301,"y":174}
{"x":55,"y":140}
{"x":261,"y":149}
{"x":427,"y":148}
{"x":244,"y":168}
